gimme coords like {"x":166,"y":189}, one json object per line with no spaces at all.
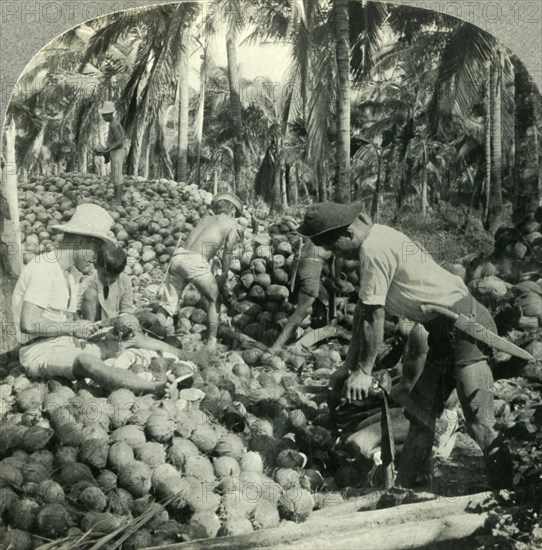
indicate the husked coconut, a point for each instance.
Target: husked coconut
{"x":265,"y":515}
{"x":235,"y":526}
{"x":151,"y":453}
{"x":120,"y":455}
{"x":203,"y":525}
{"x":136,"y":478}
{"x":199,"y":467}
{"x":296,"y":504}
{"x":205,"y":438}
{"x":180,"y":450}
{"x":225,"y":466}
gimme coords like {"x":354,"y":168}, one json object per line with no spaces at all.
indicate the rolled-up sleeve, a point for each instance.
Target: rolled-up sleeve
{"x":377,"y":268}
{"x":126,"y":295}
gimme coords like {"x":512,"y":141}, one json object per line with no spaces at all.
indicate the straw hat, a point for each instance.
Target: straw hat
{"x":89,"y":220}
{"x":107,"y":108}
{"x":327,"y":216}
{"x":230,"y":197}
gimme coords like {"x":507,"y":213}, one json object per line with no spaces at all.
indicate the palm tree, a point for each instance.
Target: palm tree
{"x":342,"y":52}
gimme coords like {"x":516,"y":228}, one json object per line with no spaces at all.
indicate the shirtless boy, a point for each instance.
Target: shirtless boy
{"x":191,"y":262}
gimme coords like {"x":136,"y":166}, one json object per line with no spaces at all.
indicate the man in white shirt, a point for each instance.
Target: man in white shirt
{"x":54,"y":343}
{"x":397,"y":277}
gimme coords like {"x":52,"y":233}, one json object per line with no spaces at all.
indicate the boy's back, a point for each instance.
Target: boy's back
{"x":210,"y":234}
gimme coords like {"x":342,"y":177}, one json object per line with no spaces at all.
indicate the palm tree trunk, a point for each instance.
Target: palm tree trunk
{"x":495,"y":199}
{"x":10,"y":237}
{"x":235,"y":105}
{"x":284,"y":188}
{"x":215,"y":181}
{"x":488,"y":148}
{"x":320,"y":176}
{"x":424,"y":184}
{"x":375,"y":210}
{"x":292,"y":185}
{"x":342,"y":53}
{"x":182,"y":136}
{"x":83,"y":167}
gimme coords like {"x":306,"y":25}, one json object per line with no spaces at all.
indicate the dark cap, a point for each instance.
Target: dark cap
{"x":327,"y":216}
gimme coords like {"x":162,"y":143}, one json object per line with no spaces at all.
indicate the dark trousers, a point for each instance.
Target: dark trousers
{"x":455,"y":360}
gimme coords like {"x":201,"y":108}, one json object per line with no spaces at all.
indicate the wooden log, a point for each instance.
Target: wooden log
{"x":415,"y":534}
{"x":319,"y":525}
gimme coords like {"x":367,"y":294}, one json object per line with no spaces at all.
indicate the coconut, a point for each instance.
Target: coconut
{"x":94,"y":452}
{"x":199,"y":467}
{"x":17,"y":539}
{"x":35,"y":438}
{"x":94,"y":431}
{"x":348,"y":475}
{"x":252,"y":357}
{"x":160,"y":428}
{"x":22,"y":514}
{"x":262,"y":427}
{"x":92,"y":499}
{"x":286,"y":478}
{"x":151,"y":453}
{"x":325,"y":500}
{"x":107,"y":481}
{"x":30,"y":399}
{"x":228,"y":484}
{"x":201,"y":495}
{"x":266,"y":446}
{"x":225,"y":466}
{"x":312,"y":480}
{"x":203,"y":525}
{"x":121,"y":502}
{"x":50,"y":492}
{"x":10,"y":476}
{"x":74,"y":472}
{"x":132,"y":435}
{"x":235,"y":526}
{"x":43,"y":457}
{"x":289,"y":458}
{"x":205,"y":438}
{"x":53,"y":521}
{"x":298,"y":420}
{"x":119,"y":456}
{"x":122,"y":402}
{"x":252,"y":462}
{"x":70,"y":434}
{"x":65,"y":455}
{"x":265,"y":515}
{"x":35,"y":472}
{"x":7,"y":498}
{"x":60,"y":416}
{"x":230,"y":445}
{"x":167,"y":482}
{"x":235,"y":504}
{"x":180,"y":450}
{"x":136,"y":478}
{"x":102,"y":523}
{"x":140,"y":539}
{"x":295,"y":504}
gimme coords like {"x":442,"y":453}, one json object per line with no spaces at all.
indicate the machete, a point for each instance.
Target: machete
{"x":478,"y":332}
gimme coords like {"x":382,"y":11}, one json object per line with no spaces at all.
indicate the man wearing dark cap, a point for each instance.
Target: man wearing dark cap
{"x":397,"y":277}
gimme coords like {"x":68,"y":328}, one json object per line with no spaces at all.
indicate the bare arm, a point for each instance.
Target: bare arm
{"x":35,"y":323}
{"x":373,"y":334}
{"x":229,"y":248}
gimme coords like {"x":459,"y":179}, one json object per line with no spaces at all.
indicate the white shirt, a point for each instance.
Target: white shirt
{"x":397,"y":274}
{"x":42,"y":283}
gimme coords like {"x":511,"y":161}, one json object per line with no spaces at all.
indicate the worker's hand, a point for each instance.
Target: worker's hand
{"x":358,"y":385}
{"x":84,"y":329}
{"x":336,"y":380}
{"x":98,"y":152}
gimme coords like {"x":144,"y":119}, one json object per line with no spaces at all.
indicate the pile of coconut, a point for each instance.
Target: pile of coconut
{"x":254,"y":452}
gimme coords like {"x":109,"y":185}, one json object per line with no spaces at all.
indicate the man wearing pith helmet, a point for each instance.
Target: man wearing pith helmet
{"x":397,"y":277}
{"x":114,"y":150}
{"x":54,"y":343}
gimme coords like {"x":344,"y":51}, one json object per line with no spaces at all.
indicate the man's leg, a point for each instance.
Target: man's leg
{"x":89,"y":366}
{"x":208,"y":288}
{"x":117,"y":160}
{"x":171,"y":290}
{"x":304,"y":304}
{"x":144,"y":341}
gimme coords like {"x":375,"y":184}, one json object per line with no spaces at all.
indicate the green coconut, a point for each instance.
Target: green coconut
{"x":136,"y":478}
{"x":120,"y":502}
{"x":10,"y":476}
{"x":92,"y":499}
{"x":226,"y":466}
{"x":203,"y":525}
{"x":22,"y":514}
{"x":132,"y":435}
{"x":35,"y":438}
{"x":7,"y":497}
{"x":151,"y":453}
{"x":235,"y":526}
{"x":312,"y":480}
{"x":17,"y":539}
{"x":70,"y":434}
{"x":94,"y":452}
{"x":50,"y":492}
{"x":36,"y":472}
{"x":199,"y":467}
{"x":107,"y":480}
{"x":180,"y":450}
{"x":30,"y":489}
{"x":252,"y":462}
{"x":65,"y":455}
{"x":53,"y":521}
{"x":295,"y":504}
{"x":265,"y":515}
{"x":44,"y":457}
{"x":205,"y":438}
{"x":160,"y":428}
{"x":102,"y":522}
{"x":75,"y":472}
{"x":230,"y":445}
{"x":289,"y":458}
